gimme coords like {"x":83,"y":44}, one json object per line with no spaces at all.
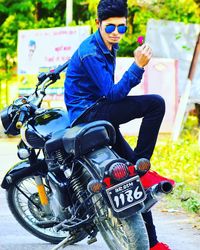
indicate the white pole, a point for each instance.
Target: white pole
{"x":69,"y":11}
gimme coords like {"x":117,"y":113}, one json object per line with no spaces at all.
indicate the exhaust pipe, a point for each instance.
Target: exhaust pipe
{"x":155,"y":193}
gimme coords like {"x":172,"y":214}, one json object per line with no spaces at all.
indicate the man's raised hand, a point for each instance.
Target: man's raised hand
{"x":143,"y":55}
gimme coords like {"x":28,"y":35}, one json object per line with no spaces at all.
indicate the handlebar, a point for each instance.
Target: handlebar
{"x":34,"y":100}
{"x":53,"y":75}
{"x":60,"y":68}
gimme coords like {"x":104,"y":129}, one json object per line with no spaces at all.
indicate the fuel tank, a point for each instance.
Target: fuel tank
{"x":38,"y":130}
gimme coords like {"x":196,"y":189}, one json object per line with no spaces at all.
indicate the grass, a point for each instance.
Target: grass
{"x":180,"y":161}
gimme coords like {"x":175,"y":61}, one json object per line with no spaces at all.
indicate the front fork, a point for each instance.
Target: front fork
{"x":33,"y":158}
{"x":42,"y":193}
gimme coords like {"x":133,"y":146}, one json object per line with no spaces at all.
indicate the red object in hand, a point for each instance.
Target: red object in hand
{"x":140,"y":40}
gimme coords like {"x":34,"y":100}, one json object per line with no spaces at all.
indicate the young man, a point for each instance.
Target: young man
{"x":90,"y":92}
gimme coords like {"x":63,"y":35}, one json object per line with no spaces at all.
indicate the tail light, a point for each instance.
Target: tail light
{"x":118,"y":171}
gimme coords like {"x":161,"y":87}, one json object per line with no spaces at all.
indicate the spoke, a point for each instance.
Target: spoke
{"x":24,"y":188}
{"x":28,"y":211}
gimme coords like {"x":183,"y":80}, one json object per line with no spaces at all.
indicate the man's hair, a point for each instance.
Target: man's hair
{"x":112,"y":8}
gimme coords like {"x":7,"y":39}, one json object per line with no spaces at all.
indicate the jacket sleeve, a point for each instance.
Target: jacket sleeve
{"x":97,"y":71}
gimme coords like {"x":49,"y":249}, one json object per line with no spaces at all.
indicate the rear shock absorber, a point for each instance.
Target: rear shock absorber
{"x":77,"y":187}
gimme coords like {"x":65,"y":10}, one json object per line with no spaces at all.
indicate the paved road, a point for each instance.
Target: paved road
{"x":173,"y":229}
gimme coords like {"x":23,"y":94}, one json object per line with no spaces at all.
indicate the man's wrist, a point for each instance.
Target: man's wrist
{"x":136,"y":70}
{"x":139,"y":66}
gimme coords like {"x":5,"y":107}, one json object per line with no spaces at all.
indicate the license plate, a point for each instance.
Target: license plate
{"x":126,"y":194}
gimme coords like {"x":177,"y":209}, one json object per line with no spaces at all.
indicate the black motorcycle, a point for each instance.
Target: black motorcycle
{"x":70,"y":183}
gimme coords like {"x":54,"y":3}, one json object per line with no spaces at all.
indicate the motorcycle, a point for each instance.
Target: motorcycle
{"x":70,"y":183}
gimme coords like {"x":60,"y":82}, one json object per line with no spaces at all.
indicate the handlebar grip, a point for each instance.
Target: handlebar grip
{"x":60,"y":68}
{"x":20,"y":119}
{"x":19,"y":125}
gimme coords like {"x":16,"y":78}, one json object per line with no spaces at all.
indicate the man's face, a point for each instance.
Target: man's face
{"x":107,"y":25}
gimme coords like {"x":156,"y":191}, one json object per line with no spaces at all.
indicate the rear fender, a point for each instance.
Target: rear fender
{"x":100,"y":158}
{"x":23,"y":169}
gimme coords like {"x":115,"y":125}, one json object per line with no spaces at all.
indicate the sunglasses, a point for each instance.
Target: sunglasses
{"x":120,"y":28}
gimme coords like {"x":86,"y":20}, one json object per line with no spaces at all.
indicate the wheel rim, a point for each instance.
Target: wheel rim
{"x":28,"y":211}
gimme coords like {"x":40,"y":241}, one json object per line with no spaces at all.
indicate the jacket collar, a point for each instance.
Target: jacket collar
{"x":102,"y":44}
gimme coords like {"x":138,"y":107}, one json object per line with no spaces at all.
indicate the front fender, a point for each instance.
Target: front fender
{"x":24,"y":169}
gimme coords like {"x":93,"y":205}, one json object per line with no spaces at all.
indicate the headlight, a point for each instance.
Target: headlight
{"x":6,"y":117}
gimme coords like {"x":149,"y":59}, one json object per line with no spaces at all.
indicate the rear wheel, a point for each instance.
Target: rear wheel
{"x":125,"y":234}
{"x":120,"y":234}
{"x":19,"y":199}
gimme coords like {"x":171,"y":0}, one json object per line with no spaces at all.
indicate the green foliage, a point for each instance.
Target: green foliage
{"x":193,"y":205}
{"x":30,"y":14}
{"x":25,"y":14}
{"x":139,"y":14}
{"x":181,"y":162}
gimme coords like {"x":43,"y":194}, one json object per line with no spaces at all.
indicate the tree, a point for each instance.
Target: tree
{"x":33,"y":14}
{"x":187,"y":11}
{"x":140,"y":12}
{"x":25,"y":14}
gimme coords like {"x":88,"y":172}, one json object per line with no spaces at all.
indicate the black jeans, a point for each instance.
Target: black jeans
{"x":152,"y":109}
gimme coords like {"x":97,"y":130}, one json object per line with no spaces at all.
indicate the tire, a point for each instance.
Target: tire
{"x":124,"y":234}
{"x":120,"y":234}
{"x":28,"y":215}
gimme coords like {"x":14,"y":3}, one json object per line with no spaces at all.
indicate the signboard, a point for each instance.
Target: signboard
{"x":176,"y":40}
{"x":160,"y":78}
{"x":44,"y":49}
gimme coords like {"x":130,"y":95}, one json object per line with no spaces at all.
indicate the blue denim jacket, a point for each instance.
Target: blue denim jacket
{"x":90,"y":77}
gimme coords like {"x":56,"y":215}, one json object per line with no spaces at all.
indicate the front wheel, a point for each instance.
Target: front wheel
{"x":19,"y":197}
{"x":124,"y":234}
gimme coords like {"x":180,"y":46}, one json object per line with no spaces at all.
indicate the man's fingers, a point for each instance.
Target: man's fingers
{"x":143,"y":55}
{"x":146,"y":48}
{"x":145,"y":45}
{"x":149,"y":51}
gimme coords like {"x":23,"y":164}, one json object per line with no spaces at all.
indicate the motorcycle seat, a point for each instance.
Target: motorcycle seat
{"x":84,"y":138}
